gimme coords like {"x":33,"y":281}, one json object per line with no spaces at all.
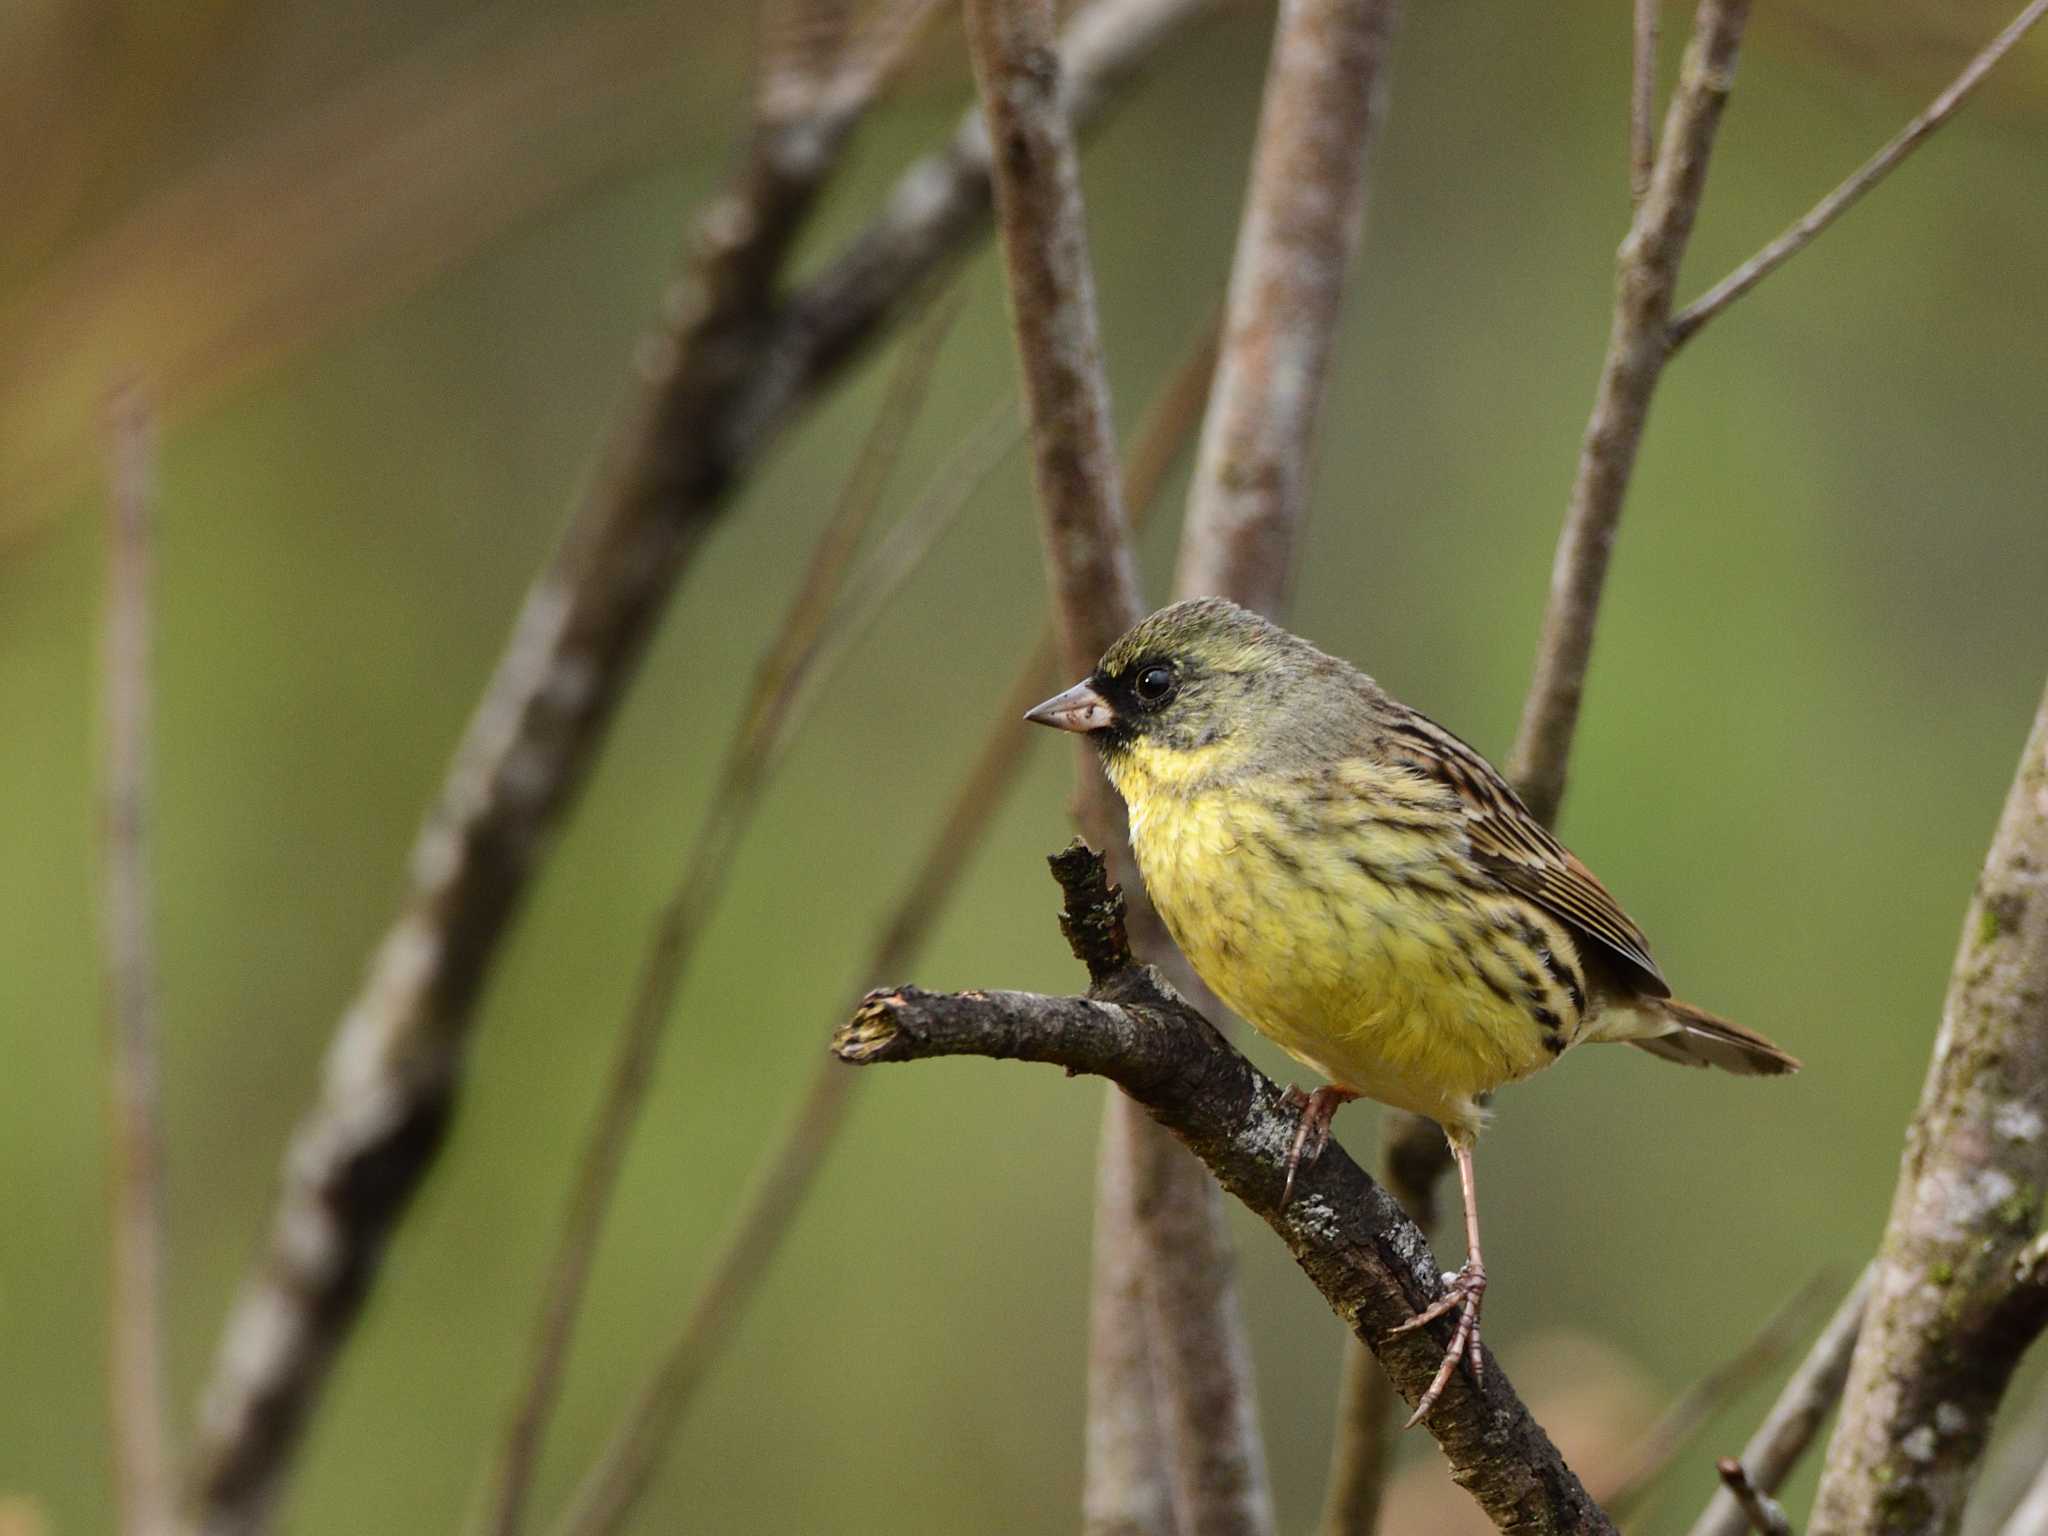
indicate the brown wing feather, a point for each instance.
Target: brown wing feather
{"x":1517,"y":850}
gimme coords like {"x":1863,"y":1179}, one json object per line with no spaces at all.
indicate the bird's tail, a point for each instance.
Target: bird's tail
{"x":1682,"y":1033}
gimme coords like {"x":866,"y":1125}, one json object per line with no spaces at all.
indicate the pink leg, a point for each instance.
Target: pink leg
{"x":1465,"y":1294}
{"x":1312,"y":1133}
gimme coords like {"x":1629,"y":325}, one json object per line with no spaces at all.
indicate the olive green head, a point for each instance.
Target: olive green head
{"x":1208,"y":678}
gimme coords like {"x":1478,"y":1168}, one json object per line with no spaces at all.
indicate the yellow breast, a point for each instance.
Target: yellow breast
{"x":1340,"y":926}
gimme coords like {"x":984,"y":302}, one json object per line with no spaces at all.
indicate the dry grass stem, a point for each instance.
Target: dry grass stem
{"x":135,"y":1161}
{"x":614,"y":1484}
{"x":768,"y":719}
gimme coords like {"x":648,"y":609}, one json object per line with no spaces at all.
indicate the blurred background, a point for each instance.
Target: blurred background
{"x":383,"y":265}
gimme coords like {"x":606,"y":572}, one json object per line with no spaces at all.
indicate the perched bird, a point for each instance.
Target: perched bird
{"x":1366,"y":891}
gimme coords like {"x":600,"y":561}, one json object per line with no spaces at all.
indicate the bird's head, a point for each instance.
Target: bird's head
{"x":1197,"y":690}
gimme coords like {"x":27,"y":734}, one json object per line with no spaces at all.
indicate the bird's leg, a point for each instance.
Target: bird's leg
{"x":1312,"y":1131}
{"x":1465,"y":1293}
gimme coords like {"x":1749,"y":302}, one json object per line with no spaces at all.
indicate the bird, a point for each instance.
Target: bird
{"x":1369,"y":893}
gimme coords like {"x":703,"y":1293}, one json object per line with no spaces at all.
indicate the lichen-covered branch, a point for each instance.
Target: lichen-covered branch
{"x":1958,"y":1292}
{"x":730,"y":365}
{"x":1366,"y":1257}
{"x":1646,"y":279}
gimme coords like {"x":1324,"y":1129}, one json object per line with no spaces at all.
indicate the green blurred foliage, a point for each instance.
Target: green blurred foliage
{"x":1821,"y":646}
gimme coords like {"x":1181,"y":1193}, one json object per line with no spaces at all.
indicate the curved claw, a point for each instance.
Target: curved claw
{"x":1465,"y":1294}
{"x":1312,"y":1131}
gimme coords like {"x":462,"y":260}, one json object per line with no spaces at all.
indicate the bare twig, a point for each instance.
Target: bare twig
{"x":135,"y":1163}
{"x":767,"y":721}
{"x":1795,"y":1418}
{"x":1880,"y":165}
{"x":1325,"y":88}
{"x":1413,"y":1157}
{"x":1357,"y":1247}
{"x":609,"y":1491}
{"x":1953,"y":1304}
{"x":729,"y":368}
{"x":1652,"y":1455}
{"x":1646,"y":275}
{"x":1763,"y":1513}
{"x":1642,"y":101}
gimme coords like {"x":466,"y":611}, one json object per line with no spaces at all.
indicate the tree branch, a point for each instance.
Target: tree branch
{"x":1956,"y":1299}
{"x":1370,"y":1262}
{"x":135,"y":1163}
{"x":1869,"y":174}
{"x":728,"y":369}
{"x":1795,"y":1418}
{"x":1325,"y":91}
{"x":1645,"y":279}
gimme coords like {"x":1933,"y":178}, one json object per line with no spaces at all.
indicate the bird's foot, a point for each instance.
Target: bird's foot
{"x":1312,"y":1131}
{"x":1464,"y":1294}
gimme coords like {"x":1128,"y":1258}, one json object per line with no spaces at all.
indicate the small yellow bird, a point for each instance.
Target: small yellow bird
{"x":1367,"y":891}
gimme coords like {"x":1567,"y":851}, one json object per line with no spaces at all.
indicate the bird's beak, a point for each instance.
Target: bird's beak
{"x":1080,"y":708}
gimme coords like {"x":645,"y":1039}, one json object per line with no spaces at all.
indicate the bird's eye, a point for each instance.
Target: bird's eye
{"x":1155,"y":683}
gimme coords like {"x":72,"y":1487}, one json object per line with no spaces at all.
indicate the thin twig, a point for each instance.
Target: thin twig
{"x":135,"y":1164}
{"x":767,"y":721}
{"x":730,"y":367}
{"x":1645,"y":278}
{"x":1659,"y":1446}
{"x":1955,"y":1303}
{"x":1370,"y":1263}
{"x":1880,"y":165}
{"x":1642,"y":101}
{"x":1806,"y":1399}
{"x":770,"y":1206}
{"x":1413,"y":1157}
{"x":1763,"y":1513}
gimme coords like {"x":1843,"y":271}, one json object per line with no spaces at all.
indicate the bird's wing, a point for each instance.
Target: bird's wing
{"x":1517,"y":850}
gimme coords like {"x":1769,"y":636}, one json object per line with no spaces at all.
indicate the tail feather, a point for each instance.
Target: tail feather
{"x":1690,"y":1035}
